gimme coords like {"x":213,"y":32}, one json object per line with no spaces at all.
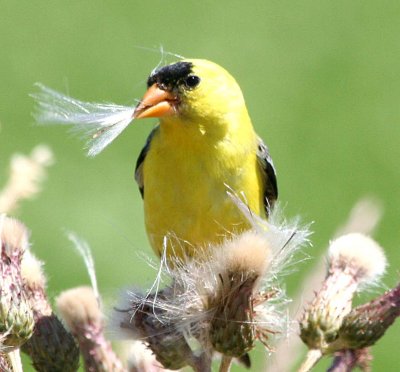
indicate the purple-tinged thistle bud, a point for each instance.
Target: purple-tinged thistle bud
{"x":367,"y":323}
{"x":355,"y":261}
{"x":81,"y":312}
{"x":16,"y":317}
{"x":51,"y":347}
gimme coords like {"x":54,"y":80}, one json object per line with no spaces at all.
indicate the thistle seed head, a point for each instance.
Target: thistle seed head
{"x":32,"y":273}
{"x":221,"y":302}
{"x":80,"y":309}
{"x":354,"y":261}
{"x":359,"y":256}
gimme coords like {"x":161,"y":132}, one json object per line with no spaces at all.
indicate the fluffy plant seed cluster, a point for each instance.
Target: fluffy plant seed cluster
{"x":25,"y":176}
{"x":354,"y":260}
{"x":81,"y":311}
{"x":101,"y":122}
{"x":329,"y":324}
{"x":220,"y":303}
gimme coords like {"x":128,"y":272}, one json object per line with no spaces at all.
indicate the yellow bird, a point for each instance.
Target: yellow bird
{"x":204,"y":145}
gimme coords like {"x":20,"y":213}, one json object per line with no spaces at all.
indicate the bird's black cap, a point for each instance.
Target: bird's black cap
{"x":171,"y":75}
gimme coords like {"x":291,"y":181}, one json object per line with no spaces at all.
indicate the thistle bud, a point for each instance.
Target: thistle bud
{"x":51,"y":347}
{"x":80,"y":310}
{"x":16,"y":317}
{"x":354,"y":262}
{"x":367,"y":323}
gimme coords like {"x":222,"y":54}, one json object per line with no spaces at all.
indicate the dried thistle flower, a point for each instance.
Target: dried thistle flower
{"x":51,"y":347}
{"x":363,"y":218}
{"x":223,"y":301}
{"x":26,"y":174}
{"x":354,"y":262}
{"x":166,"y":338}
{"x":81,"y":312}
{"x":16,"y":317}
{"x":240,"y":264}
{"x":35,"y":283}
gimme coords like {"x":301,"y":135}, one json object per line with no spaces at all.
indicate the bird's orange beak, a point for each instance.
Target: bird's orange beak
{"x":155,"y":104}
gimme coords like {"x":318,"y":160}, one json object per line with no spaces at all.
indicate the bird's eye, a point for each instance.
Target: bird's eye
{"x":192,"y":81}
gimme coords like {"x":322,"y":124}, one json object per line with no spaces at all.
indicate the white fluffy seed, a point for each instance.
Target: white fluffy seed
{"x":360,"y":254}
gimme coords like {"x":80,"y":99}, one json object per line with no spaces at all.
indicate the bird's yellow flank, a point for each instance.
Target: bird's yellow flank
{"x":204,"y":145}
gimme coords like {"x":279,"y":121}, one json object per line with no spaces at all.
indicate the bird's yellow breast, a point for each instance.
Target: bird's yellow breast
{"x":187,"y":174}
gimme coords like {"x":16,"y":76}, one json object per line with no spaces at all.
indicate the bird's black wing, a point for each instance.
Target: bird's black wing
{"x":140,"y":160}
{"x":270,"y":183}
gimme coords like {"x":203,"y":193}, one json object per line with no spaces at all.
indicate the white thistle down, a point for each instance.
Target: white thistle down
{"x":183,"y":323}
{"x":26,"y":175}
{"x":363,"y":256}
{"x":81,"y":312}
{"x":355,"y":262}
{"x":83,"y":249}
{"x":285,"y":237}
{"x":101,"y":122}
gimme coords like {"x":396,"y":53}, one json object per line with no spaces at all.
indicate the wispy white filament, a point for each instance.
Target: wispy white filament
{"x":82,"y":247}
{"x":188,"y":305}
{"x":285,"y":237}
{"x":101,"y":122}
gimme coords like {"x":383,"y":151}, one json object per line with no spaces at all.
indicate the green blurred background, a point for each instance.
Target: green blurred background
{"x":322,"y":84}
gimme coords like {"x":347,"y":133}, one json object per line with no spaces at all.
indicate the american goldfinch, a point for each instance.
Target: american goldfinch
{"x":203,"y":147}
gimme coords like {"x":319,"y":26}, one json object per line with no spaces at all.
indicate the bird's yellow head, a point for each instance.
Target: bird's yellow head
{"x":192,"y":90}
